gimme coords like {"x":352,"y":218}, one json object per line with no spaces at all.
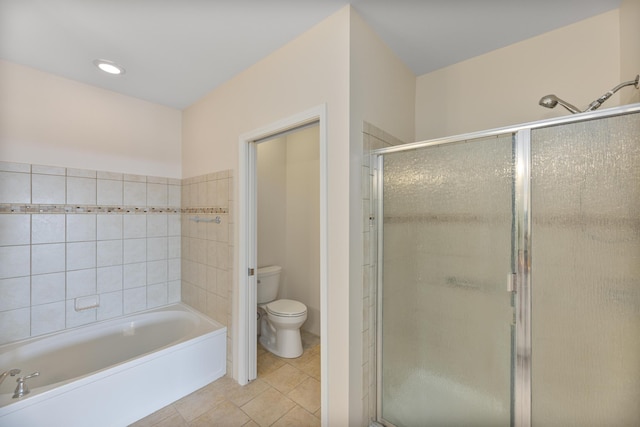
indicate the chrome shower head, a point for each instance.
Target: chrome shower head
{"x":550,"y":101}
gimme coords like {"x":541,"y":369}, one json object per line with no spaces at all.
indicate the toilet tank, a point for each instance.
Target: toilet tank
{"x":268,"y":283}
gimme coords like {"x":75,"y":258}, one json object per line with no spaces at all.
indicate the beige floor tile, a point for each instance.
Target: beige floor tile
{"x":285,"y":378}
{"x":268,"y":362}
{"x":156,"y":417}
{"x":297,"y":417}
{"x":306,"y":357}
{"x":198,"y":402}
{"x":312,"y":367}
{"x":234,"y":392}
{"x":224,"y":414}
{"x":307,"y":395}
{"x":175,"y":420}
{"x":251,"y":424}
{"x":268,"y":407}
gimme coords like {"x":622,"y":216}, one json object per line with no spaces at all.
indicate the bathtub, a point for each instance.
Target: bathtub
{"x":114,"y":372}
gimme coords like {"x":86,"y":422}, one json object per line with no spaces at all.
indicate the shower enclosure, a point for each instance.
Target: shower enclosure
{"x":508,"y":271}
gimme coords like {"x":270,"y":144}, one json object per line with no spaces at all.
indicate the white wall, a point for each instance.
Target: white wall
{"x":272,"y":199}
{"x":629,"y":47}
{"x":578,"y":63}
{"x":309,"y":71}
{"x":302,"y":267}
{"x":50,"y":120}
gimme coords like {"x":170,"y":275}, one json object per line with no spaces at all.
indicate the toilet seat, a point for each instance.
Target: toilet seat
{"x":286,"y":308}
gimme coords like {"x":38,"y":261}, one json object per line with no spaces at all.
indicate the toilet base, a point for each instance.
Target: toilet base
{"x":285,"y":343}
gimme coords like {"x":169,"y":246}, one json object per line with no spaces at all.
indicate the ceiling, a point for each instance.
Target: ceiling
{"x":176,"y":51}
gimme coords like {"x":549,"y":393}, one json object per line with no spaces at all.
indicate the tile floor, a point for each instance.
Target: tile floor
{"x":286,"y":393}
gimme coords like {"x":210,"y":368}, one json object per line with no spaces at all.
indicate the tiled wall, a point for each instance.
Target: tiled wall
{"x":207,"y":247}
{"x":373,"y":139}
{"x":71,"y":238}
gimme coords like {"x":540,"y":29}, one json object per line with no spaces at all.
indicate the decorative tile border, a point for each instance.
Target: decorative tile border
{"x":80,"y":209}
{"x":205,"y":210}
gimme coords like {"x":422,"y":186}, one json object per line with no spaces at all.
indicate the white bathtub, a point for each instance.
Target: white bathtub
{"x":112,"y":373}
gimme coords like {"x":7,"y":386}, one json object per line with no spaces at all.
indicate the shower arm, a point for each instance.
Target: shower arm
{"x":550,"y":101}
{"x":598,"y":102}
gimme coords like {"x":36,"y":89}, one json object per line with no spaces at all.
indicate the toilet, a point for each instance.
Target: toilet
{"x":282,"y":318}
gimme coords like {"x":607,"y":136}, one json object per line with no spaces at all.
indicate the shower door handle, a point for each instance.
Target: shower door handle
{"x":512,"y":281}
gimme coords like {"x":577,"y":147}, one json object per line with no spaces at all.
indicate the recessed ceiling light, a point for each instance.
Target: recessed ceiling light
{"x":109,"y":66}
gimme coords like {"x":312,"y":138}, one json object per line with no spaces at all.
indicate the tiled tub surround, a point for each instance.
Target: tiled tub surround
{"x":207,"y":247}
{"x":71,"y":239}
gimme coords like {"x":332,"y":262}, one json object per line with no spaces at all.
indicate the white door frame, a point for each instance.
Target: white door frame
{"x":244,"y":317}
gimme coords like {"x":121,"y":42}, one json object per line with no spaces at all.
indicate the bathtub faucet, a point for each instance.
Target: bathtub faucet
{"x":22,"y":388}
{"x":12,"y":372}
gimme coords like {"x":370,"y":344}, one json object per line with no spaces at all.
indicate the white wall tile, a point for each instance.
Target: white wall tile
{"x":16,"y":293}
{"x":115,"y":176}
{"x":109,"y":252}
{"x":15,"y":229}
{"x":47,"y":318}
{"x":81,"y":255}
{"x":47,"y":288}
{"x":81,"y":227}
{"x":48,"y":228}
{"x":85,"y":173}
{"x":109,"y":279}
{"x":49,"y":258}
{"x":135,"y":275}
{"x":15,"y":167}
{"x":109,"y":227}
{"x":15,"y":187}
{"x":81,"y":283}
{"x":157,"y":225}
{"x":48,"y":189}
{"x":174,"y":225}
{"x":81,"y":191}
{"x":156,"y":248}
{"x":135,"y":250}
{"x":156,"y":295}
{"x":135,"y":178}
{"x":157,"y":194}
{"x":173,"y":247}
{"x":109,"y":192}
{"x":173,"y":291}
{"x":16,"y":325}
{"x":157,"y":179}
{"x":110,"y":305}
{"x":156,"y":272}
{"x":134,"y":226}
{"x":48,"y":170}
{"x":135,"y":193}
{"x":173,"y":269}
{"x":134,"y":299}
{"x":223,"y":192}
{"x":173,"y":196}
{"x":78,"y":318}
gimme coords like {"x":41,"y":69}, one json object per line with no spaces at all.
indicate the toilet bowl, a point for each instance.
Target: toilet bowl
{"x":280,"y":327}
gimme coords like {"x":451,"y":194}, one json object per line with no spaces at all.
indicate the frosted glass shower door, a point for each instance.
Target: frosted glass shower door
{"x":446,"y":315}
{"x":585,"y":286}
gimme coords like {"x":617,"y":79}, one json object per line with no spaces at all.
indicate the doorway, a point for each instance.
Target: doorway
{"x":245,"y":347}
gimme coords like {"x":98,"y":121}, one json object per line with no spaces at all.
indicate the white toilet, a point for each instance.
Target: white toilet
{"x":280,"y":325}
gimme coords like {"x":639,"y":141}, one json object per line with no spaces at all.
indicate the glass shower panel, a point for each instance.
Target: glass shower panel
{"x":446,"y":339}
{"x":585,"y":286}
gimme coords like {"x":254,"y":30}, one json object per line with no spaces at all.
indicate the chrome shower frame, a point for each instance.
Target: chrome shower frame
{"x":521,"y":134}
